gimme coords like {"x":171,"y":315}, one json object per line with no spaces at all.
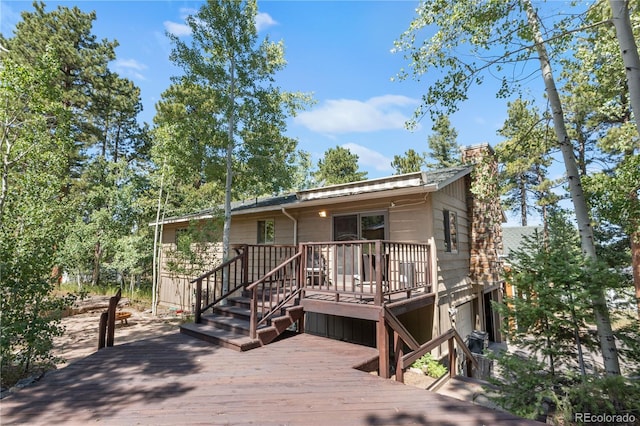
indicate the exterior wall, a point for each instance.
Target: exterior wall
{"x":175,"y":289}
{"x":411,"y":218}
{"x":408,"y":218}
{"x":244,"y":229}
{"x":454,"y":286}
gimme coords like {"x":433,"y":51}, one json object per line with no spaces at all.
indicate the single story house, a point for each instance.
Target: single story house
{"x":420,"y":247}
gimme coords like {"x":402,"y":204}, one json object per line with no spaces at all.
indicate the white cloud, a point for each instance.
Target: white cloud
{"x":178,"y":30}
{"x":264,"y":21}
{"x":130,"y":67}
{"x":185,"y":12}
{"x":369,"y":158}
{"x":348,"y":115}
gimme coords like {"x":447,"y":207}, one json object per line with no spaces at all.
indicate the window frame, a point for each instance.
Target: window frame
{"x":262,"y":231}
{"x":358,"y":218}
{"x":450,"y":220}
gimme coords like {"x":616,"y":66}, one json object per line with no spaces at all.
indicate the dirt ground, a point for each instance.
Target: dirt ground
{"x":81,"y":327}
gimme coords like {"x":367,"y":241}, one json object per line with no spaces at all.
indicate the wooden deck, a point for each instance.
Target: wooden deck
{"x":175,"y":379}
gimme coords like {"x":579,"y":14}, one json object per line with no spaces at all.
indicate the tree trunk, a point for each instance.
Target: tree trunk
{"x":629,"y":51}
{"x":156,"y":236}
{"x":523,"y":202}
{"x":603,"y":322}
{"x":226,"y":233}
{"x":5,"y":146}
{"x":635,"y":265}
{"x":97,"y":258}
{"x":631,"y":60}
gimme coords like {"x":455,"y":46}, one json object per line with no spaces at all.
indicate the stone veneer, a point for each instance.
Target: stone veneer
{"x":485,"y":215}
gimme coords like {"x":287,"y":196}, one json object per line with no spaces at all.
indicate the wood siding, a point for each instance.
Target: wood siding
{"x":410,"y":218}
{"x":454,"y":286}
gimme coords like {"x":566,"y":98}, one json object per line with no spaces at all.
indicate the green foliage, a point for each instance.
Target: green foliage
{"x":430,"y":366}
{"x":339,"y":165}
{"x":108,"y":196}
{"x":614,"y":194}
{"x":33,"y":213}
{"x":82,"y":60}
{"x":457,"y":42}
{"x":524,"y":385}
{"x":552,"y":286}
{"x":193,"y":249}
{"x":601,"y":395}
{"x":524,"y":158}
{"x":226,"y":107}
{"x":443,"y":144}
{"x":409,"y":163}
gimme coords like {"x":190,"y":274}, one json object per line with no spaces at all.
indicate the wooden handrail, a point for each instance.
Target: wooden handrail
{"x":376,"y":269}
{"x":273,"y":272}
{"x":222,"y":266}
{"x":199,"y":309}
{"x":415,"y":355}
{"x":404,"y":361}
{"x":285,"y":283}
{"x":397,"y":326}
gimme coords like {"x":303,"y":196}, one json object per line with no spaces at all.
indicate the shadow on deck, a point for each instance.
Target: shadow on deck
{"x":178,"y":380}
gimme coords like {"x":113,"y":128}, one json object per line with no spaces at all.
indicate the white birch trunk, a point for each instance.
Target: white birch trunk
{"x":631,"y":59}
{"x":629,"y":51}
{"x":226,"y":233}
{"x":155,"y":277}
{"x":603,"y":323}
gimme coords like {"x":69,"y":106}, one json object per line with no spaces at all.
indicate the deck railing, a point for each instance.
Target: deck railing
{"x":370,"y":270}
{"x":402,"y":337}
{"x":216,"y":285}
{"x":251,"y":263}
{"x":365,"y":271}
{"x":273,"y":292}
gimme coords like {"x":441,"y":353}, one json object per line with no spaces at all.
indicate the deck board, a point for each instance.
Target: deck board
{"x":175,"y":379}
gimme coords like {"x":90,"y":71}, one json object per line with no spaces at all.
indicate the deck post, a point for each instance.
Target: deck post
{"x":253,"y":322}
{"x":198,"y":307}
{"x":382,"y":339}
{"x":452,"y":358}
{"x":111,"y":318}
{"x":245,"y":264}
{"x":399,"y":353}
{"x":378,"y":275}
{"x":102,"y":330}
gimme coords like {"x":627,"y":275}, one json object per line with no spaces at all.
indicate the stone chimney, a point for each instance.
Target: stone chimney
{"x":485,"y":214}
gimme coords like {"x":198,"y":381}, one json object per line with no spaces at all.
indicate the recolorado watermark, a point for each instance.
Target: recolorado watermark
{"x":627,"y":418}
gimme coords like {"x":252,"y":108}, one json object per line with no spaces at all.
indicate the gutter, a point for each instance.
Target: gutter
{"x":295,"y":225}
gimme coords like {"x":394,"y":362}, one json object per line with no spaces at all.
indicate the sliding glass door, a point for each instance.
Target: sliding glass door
{"x":352,"y":227}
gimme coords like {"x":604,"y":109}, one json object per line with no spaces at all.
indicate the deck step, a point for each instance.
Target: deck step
{"x":225,"y":338}
{"x":232,"y":311}
{"x":243,"y":302}
{"x":237,"y":325}
{"x":229,"y":325}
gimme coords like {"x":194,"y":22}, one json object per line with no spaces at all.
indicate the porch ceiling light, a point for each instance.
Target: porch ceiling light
{"x":322,"y":213}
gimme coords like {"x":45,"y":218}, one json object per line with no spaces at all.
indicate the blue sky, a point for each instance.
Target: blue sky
{"x":339,"y":51}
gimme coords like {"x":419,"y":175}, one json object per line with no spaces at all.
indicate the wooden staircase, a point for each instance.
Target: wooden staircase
{"x":228,"y":326}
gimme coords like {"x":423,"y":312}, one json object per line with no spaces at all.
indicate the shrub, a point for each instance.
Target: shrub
{"x":430,"y":366}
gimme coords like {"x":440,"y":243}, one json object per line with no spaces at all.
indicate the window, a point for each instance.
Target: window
{"x":266,"y":231}
{"x":450,"y":231}
{"x":363,"y":226}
